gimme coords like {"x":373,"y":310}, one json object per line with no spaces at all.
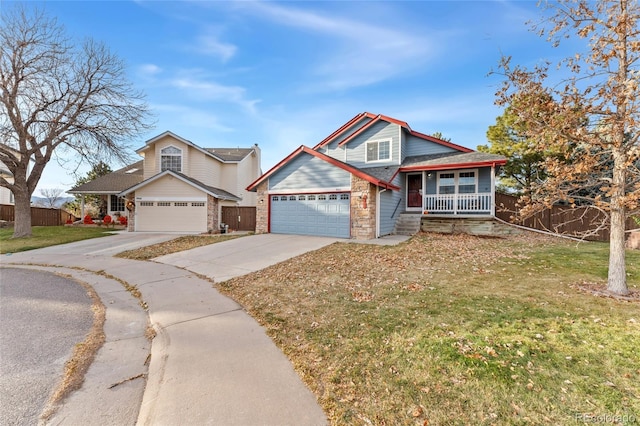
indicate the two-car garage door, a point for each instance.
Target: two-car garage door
{"x":175,"y":216}
{"x":311,"y":214}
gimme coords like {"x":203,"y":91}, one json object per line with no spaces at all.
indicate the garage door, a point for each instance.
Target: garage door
{"x":171,"y":216}
{"x":311,"y":214}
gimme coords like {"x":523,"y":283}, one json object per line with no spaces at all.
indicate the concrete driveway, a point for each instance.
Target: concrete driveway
{"x":244,"y":255}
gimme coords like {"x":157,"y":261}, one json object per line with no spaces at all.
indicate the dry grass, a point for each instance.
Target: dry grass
{"x":175,"y":245}
{"x":453,"y":330}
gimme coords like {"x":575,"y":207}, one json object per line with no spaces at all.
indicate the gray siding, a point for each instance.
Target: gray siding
{"x":388,"y":202}
{"x":332,"y":150}
{"x":356,"y":148}
{"x":416,"y":146}
{"x":484,"y":180}
{"x":307,"y":171}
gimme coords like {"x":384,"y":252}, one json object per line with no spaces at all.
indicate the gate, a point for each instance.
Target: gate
{"x":239,"y":218}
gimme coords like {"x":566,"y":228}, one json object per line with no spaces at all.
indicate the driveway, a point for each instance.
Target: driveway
{"x":244,"y":255}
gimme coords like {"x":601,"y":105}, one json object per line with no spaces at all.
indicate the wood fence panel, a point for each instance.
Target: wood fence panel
{"x":559,"y":219}
{"x":239,"y":218}
{"x":40,"y":216}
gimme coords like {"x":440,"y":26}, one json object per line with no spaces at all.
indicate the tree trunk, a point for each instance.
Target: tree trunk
{"x":617,"y":280}
{"x":22,"y":215}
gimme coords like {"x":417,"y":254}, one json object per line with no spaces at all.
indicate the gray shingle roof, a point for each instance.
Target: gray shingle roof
{"x":114,"y":182}
{"x":230,"y":154}
{"x":217,"y":192}
{"x":382,"y":173}
{"x":450,"y":158}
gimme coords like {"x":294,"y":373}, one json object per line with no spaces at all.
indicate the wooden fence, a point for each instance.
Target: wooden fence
{"x":40,"y":216}
{"x":239,"y":218}
{"x":559,"y":219}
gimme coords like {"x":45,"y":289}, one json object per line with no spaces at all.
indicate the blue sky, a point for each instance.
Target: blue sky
{"x":283,"y":74}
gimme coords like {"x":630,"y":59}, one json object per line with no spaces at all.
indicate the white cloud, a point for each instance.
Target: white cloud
{"x":365,"y":53}
{"x":149,"y":70}
{"x":209,"y":90}
{"x":189,"y":117}
{"x":210,"y":45}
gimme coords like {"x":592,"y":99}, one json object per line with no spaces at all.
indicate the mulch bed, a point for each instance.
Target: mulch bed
{"x":600,"y":290}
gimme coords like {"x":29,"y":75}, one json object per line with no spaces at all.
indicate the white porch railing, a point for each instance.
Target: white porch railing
{"x":458,"y":203}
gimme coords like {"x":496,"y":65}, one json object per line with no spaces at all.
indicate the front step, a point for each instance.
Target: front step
{"x":408,"y":224}
{"x":472,"y":226}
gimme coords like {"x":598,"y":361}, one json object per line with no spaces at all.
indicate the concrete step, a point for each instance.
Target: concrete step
{"x":408,"y":224}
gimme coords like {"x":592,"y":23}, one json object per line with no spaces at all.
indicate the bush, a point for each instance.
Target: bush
{"x":87,"y":220}
{"x":69,"y":221}
{"x":122,"y":220}
{"x":107,"y":220}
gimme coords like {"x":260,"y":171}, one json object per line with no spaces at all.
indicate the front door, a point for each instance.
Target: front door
{"x":414,"y":190}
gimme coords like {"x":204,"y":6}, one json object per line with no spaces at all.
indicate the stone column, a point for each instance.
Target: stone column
{"x":262,"y":208}
{"x":213,"y":222}
{"x":363,"y":209}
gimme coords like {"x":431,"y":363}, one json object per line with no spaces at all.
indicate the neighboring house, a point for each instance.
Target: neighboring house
{"x":178,"y":186}
{"x":6,"y":196}
{"x":357,"y":181}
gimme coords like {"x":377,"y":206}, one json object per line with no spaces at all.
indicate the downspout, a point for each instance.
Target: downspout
{"x":493,"y":190}
{"x":82,"y":207}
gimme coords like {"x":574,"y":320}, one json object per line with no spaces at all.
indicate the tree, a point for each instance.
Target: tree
{"x":524,"y":165}
{"x":59,"y":96}
{"x":99,"y":169}
{"x":589,"y":119}
{"x":439,"y":135}
{"x":51,"y":196}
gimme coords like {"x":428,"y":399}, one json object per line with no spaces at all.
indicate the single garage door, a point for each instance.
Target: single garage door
{"x":171,"y":216}
{"x":311,"y":214}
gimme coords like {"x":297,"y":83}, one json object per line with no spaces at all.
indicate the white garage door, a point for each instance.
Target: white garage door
{"x":311,"y":214}
{"x":171,"y":216}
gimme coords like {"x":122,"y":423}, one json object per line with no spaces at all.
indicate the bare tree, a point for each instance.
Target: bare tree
{"x":51,"y":196}
{"x":59,"y":96}
{"x":590,"y":120}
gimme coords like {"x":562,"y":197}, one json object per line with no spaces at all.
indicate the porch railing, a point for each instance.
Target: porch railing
{"x":458,"y":203}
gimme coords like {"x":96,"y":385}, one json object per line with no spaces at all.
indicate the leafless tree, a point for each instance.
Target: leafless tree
{"x":59,"y":96}
{"x":51,"y":196}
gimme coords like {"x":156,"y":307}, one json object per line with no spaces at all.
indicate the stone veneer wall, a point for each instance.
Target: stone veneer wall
{"x":363,"y":221}
{"x":213,"y":222}
{"x":131,"y":215}
{"x":262,"y":208}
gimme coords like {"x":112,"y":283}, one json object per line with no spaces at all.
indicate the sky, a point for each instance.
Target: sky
{"x":285,"y":74}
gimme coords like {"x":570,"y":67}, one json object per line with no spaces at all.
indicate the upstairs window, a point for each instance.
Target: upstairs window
{"x":378,"y":151}
{"x":171,"y":159}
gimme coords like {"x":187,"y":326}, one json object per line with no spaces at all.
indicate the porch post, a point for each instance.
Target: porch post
{"x":493,"y":190}
{"x":82,"y":207}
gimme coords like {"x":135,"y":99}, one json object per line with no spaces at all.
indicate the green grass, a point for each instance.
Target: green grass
{"x":45,"y":236}
{"x":454,"y":330}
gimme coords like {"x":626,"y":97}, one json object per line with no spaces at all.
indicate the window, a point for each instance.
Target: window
{"x":283,"y":198}
{"x":467,"y":183}
{"x":447,"y":183}
{"x":378,"y":150}
{"x":292,"y":198}
{"x":302,"y":197}
{"x":333,"y":197}
{"x":164,"y":204}
{"x":146,"y":203}
{"x":171,"y":159}
{"x":312,"y":198}
{"x":322,"y":197}
{"x":457,"y":182}
{"x":275,"y":198}
{"x":117,"y":204}
{"x":344,"y":196}
{"x":197,"y":204}
{"x":181,"y":204}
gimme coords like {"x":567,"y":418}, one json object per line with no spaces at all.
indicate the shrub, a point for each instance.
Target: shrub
{"x":87,"y":220}
{"x":69,"y":221}
{"x":107,"y":220}
{"x":122,"y":220}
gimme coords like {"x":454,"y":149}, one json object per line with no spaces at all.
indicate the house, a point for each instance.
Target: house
{"x":6,"y":196}
{"x":358,"y":180}
{"x":178,"y":186}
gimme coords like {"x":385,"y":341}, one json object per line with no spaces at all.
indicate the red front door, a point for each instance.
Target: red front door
{"x":414,"y":187}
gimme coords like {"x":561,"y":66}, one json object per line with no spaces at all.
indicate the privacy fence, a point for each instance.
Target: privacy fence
{"x":560,"y":219}
{"x":40,"y":216}
{"x":239,"y":218}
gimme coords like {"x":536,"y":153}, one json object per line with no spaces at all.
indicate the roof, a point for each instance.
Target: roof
{"x":113,"y":182}
{"x":221,"y":154}
{"x":379,"y":117}
{"x":214,"y":192}
{"x":452,"y":160}
{"x":230,"y":154}
{"x":349,"y":168}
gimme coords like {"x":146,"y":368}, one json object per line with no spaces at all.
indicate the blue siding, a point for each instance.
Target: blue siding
{"x":332,"y":149}
{"x":416,"y":146}
{"x":307,"y":171}
{"x":381,"y":130}
{"x":388,"y":202}
{"x":484,"y":180}
{"x":432,"y":183}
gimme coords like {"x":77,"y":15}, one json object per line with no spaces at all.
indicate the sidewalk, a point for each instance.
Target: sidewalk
{"x":211,"y":363}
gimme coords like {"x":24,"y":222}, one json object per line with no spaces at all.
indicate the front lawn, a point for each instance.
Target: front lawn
{"x":454,"y":330}
{"x":45,"y":236}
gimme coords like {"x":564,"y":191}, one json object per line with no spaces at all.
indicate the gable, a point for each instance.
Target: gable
{"x":170,"y":187}
{"x":310,"y":173}
{"x":413,"y":146}
{"x":380,"y":131}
